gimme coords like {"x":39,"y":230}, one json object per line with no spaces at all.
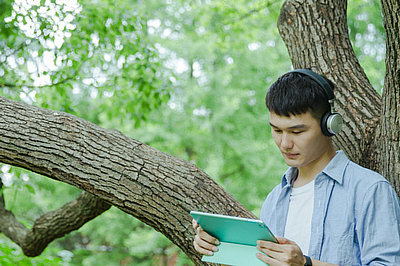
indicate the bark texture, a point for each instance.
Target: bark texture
{"x":388,"y":138}
{"x":155,"y":187}
{"x":316,"y":35}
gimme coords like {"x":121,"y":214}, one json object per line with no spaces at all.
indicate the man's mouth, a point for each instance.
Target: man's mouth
{"x":291,"y":155}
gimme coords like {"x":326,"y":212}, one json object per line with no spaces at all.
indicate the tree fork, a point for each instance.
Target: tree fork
{"x":316,"y":35}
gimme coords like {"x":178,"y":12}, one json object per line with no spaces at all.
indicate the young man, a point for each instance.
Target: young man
{"x":327,"y":210}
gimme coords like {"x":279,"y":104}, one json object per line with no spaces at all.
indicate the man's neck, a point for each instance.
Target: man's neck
{"x":308,"y":173}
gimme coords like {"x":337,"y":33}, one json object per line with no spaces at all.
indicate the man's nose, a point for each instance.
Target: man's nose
{"x":286,"y":141}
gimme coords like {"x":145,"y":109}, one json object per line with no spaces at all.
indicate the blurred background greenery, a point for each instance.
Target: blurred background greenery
{"x":186,"y":77}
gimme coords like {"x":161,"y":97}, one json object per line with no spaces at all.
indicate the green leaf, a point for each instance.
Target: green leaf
{"x":30,"y":188}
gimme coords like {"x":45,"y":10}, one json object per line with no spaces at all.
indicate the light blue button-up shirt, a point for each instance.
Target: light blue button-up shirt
{"x":356,"y":218}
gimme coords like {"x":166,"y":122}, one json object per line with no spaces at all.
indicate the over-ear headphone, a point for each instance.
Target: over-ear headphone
{"x":331,"y":122}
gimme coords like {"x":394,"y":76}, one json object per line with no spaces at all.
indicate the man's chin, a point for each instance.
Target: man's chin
{"x":292,"y":162}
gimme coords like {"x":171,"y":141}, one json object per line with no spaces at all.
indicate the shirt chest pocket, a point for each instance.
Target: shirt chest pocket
{"x":340,"y":241}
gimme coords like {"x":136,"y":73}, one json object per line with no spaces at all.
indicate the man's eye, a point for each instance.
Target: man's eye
{"x":297,"y":132}
{"x":277,"y":131}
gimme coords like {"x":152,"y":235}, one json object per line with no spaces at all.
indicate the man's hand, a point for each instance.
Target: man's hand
{"x":203,"y":242}
{"x":285,"y":253}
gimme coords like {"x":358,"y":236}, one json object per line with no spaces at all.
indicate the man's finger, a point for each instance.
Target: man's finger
{"x":205,"y":236}
{"x":204,"y":247}
{"x":269,"y":245}
{"x":194,"y":224}
{"x":270,"y":261}
{"x":276,"y":255}
{"x":202,"y":250}
{"x":282,"y":240}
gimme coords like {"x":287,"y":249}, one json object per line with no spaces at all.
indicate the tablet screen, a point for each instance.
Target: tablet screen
{"x":233,"y":229}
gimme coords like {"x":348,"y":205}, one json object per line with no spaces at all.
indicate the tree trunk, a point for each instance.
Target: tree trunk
{"x":388,"y":137}
{"x":155,"y":187}
{"x":316,"y":35}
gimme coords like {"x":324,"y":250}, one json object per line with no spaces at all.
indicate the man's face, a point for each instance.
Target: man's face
{"x":299,"y":138}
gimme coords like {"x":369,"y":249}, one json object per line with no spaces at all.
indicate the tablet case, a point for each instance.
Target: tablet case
{"x":237,"y":238}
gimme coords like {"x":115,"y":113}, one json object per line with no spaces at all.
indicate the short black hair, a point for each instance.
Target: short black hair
{"x":295,"y":94}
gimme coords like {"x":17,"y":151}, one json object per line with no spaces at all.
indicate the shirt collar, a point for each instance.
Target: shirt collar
{"x":334,"y":169}
{"x":289,"y":176}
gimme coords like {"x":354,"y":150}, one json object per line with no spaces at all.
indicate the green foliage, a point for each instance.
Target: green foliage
{"x":186,"y":77}
{"x":75,"y":57}
{"x":368,"y":38}
{"x":229,"y":51}
{"x":11,"y":255}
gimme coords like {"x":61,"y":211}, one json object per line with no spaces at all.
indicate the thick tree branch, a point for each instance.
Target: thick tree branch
{"x":155,"y":187}
{"x":51,"y":225}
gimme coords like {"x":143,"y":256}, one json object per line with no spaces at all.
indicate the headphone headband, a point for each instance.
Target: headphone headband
{"x":322,"y":82}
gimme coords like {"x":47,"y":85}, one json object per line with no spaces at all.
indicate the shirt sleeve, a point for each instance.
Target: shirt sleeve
{"x":378,"y":226}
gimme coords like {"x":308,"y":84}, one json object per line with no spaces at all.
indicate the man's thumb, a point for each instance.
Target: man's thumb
{"x":282,"y":240}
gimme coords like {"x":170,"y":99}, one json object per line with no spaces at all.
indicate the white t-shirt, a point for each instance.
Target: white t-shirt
{"x":298,"y":223}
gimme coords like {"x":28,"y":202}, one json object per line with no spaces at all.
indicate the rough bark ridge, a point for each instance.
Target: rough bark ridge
{"x":155,"y":187}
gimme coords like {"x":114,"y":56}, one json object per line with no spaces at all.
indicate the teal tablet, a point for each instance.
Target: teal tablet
{"x":237,"y":236}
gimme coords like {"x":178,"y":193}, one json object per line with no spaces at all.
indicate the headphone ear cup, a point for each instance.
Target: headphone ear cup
{"x":334,"y":123}
{"x":331,"y":124}
{"x":324,"y":124}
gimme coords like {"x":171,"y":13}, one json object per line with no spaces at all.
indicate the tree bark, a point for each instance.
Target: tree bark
{"x":155,"y":187}
{"x":316,"y":35}
{"x":388,"y":137}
